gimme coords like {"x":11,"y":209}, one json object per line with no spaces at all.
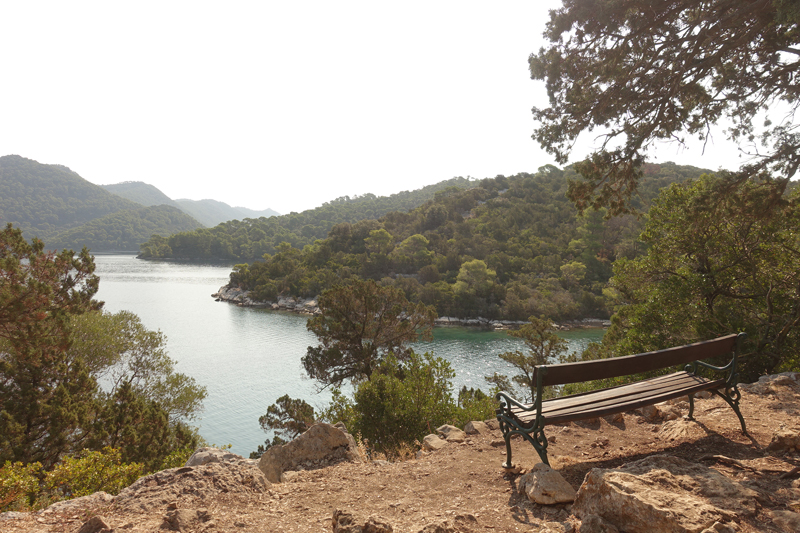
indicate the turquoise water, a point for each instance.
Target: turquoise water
{"x":247,"y":358}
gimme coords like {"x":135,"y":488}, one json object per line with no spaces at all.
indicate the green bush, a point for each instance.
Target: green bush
{"x":89,"y":472}
{"x":19,"y":486}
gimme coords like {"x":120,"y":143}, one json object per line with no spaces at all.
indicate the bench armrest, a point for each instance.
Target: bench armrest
{"x":730,"y":368}
{"x":507,"y":402}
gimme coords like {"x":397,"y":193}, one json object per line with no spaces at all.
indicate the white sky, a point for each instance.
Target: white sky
{"x":279,"y":104}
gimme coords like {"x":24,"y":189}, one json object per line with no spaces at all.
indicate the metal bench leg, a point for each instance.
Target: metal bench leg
{"x":731,"y":397}
{"x":691,"y":407}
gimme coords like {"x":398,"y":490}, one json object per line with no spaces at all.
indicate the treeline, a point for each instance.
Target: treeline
{"x":125,"y":230}
{"x":250,"y":239}
{"x":510,"y":248}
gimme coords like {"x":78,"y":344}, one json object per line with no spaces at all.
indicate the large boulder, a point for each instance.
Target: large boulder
{"x":545,"y":486}
{"x":321,"y":445}
{"x":662,"y":493}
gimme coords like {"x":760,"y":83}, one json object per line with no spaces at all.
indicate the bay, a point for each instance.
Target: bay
{"x":247,"y":358}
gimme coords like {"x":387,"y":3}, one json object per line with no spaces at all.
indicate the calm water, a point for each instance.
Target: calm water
{"x":247,"y":358}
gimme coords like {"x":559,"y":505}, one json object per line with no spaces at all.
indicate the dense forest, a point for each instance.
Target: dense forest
{"x":125,"y":230}
{"x":250,"y":239}
{"x":510,"y":248}
{"x":44,"y":200}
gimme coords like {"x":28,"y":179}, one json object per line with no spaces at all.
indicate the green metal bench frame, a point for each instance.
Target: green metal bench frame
{"x":529,"y":420}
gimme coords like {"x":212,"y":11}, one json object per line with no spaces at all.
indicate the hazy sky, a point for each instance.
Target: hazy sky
{"x":278,"y":104}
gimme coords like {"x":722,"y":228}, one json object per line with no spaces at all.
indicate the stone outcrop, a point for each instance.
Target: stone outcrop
{"x":242,"y":298}
{"x":207,"y":455}
{"x":663,"y":493}
{"x":545,"y":486}
{"x":193,"y":482}
{"x":321,"y":445}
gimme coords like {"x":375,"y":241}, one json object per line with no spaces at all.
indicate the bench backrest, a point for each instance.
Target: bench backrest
{"x":561,"y":374}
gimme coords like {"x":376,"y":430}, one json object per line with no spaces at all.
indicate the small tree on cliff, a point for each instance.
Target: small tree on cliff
{"x":359,"y":325}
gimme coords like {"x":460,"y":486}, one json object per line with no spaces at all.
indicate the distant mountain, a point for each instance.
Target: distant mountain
{"x":141,"y":193}
{"x":55,"y":204}
{"x":125,"y":230}
{"x":44,"y":200}
{"x":213,"y":212}
{"x":251,"y":213}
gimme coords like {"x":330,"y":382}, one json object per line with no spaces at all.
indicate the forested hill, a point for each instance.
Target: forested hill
{"x":509,"y":248}
{"x":125,"y":230}
{"x":44,"y":200}
{"x":250,"y":239}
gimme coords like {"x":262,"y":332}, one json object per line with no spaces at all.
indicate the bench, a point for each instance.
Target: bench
{"x":529,"y":420}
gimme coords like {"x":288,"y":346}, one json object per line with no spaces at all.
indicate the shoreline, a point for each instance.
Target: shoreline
{"x":308,"y":306}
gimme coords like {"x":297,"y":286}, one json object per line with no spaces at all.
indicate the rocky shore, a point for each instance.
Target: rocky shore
{"x":308,"y":306}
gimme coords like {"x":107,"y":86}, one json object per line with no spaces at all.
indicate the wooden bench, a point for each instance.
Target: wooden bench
{"x":529,"y":420}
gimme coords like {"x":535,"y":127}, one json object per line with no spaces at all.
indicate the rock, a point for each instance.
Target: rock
{"x":344,"y":522}
{"x":96,"y":524}
{"x":650,"y":413}
{"x":201,"y":482}
{"x":616,"y":418}
{"x":784,"y":440}
{"x":204,"y":456}
{"x":79,"y":503}
{"x":719,"y":527}
{"x":545,"y":486}
{"x":321,"y":445}
{"x":476,"y":427}
{"x":786,"y":520}
{"x":493,"y":424}
{"x":679,"y":429}
{"x":595,"y":524}
{"x":451,"y":433}
{"x":770,"y":384}
{"x":432,"y":443}
{"x":662,"y":493}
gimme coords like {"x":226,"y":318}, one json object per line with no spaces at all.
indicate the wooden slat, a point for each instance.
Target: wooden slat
{"x":619,"y":399}
{"x":561,"y":374}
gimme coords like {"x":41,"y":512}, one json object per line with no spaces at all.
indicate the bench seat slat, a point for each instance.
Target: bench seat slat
{"x":618,"y":399}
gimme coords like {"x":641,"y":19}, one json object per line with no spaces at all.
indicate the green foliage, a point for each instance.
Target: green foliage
{"x":508,"y":248}
{"x":118,"y":349}
{"x":647,"y":73}
{"x":19,"y":485}
{"x":250,"y":238}
{"x":288,"y":418}
{"x":722,"y":259}
{"x":405,"y":400}
{"x":359,"y":325}
{"x":89,"y":472}
{"x":45,"y":396}
{"x":55,"y":345}
{"x":126,"y":230}
{"x":544,"y":346}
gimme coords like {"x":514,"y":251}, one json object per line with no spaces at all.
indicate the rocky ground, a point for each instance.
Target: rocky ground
{"x":462,"y":487}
